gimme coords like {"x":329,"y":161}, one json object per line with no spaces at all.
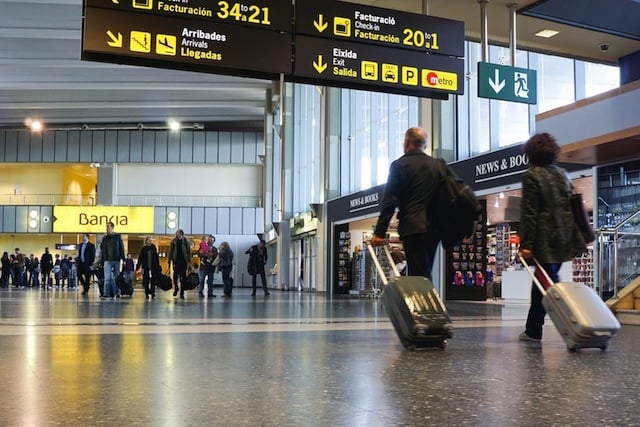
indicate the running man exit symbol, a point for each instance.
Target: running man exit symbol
{"x":520,"y":82}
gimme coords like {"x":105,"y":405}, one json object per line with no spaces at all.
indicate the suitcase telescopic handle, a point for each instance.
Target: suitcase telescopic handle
{"x":376,"y":262}
{"x":533,"y":276}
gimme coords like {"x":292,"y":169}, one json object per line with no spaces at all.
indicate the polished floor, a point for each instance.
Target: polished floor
{"x":294,"y":359}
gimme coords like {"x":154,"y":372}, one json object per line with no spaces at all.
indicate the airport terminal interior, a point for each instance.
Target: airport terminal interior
{"x":246,"y":120}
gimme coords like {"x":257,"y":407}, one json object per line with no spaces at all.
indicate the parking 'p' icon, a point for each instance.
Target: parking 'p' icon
{"x":410,"y":76}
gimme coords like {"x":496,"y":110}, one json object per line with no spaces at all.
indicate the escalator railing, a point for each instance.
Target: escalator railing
{"x":618,"y":255}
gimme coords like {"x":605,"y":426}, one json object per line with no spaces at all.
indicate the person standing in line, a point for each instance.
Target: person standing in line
{"x":207,"y":253}
{"x":180,"y":256}
{"x":149,"y":260}
{"x":411,"y":187}
{"x":226,"y":265}
{"x":35,"y":275}
{"x":257,"y":261}
{"x":547,"y":230}
{"x":19,"y":269}
{"x":46,"y":265}
{"x":85,"y":260}
{"x":112,"y":255}
{"x":6,"y":270}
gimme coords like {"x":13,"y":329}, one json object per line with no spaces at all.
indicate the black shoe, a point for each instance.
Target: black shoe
{"x":266,"y":294}
{"x":200,"y":294}
{"x":253,"y":294}
{"x":226,"y":296}
{"x":175,"y":293}
{"x":181,"y":296}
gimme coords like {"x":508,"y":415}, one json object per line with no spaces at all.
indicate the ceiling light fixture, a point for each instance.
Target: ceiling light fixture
{"x":174,"y":125}
{"x":546,"y":34}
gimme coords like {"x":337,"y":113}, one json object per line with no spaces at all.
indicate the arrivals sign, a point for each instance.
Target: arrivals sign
{"x":507,"y":83}
{"x":94,"y":219}
{"x":181,"y":42}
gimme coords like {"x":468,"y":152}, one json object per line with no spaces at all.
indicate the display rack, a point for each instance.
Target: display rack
{"x":583,"y":268}
{"x":344,"y":262}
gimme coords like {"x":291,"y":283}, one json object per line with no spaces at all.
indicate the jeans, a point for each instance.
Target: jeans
{"x":535,"y":317}
{"x":208,"y":273}
{"x":111,"y":271}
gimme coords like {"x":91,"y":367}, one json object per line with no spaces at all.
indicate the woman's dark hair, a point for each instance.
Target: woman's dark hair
{"x":542,"y":149}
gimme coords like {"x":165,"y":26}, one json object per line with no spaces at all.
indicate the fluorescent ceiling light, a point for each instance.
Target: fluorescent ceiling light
{"x":546,"y":33}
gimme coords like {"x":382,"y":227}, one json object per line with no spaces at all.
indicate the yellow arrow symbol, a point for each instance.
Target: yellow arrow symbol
{"x":320,"y":24}
{"x":319,"y":65}
{"x":115,"y":41}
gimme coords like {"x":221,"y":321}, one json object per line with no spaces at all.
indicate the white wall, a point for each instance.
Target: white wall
{"x":189,"y":180}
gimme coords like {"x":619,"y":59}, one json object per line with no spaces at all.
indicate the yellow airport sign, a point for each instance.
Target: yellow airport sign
{"x":94,"y":219}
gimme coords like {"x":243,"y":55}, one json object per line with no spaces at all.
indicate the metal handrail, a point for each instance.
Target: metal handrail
{"x":617,"y":236}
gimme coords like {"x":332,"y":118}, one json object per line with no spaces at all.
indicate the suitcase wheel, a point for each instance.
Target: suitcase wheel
{"x":409,"y":345}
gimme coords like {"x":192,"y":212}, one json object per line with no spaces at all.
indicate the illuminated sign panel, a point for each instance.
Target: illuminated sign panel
{"x":94,"y":219}
{"x":358,"y":65}
{"x":197,"y":45}
{"x":379,"y":26}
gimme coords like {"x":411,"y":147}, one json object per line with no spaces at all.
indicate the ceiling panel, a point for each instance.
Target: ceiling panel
{"x":42,"y":76}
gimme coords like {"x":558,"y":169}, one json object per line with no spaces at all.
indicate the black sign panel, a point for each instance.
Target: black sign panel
{"x":342,"y":64}
{"x":383,"y":27}
{"x":198,"y":44}
{"x":265,"y":14}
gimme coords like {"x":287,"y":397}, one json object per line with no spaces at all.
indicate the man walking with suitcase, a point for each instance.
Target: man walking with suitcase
{"x":411,"y":187}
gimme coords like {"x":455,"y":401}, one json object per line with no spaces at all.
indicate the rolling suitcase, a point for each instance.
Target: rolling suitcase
{"x":126,"y":289}
{"x":416,"y":311}
{"x":581,"y":317}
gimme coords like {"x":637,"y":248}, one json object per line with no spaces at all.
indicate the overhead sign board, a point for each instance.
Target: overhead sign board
{"x":507,"y":83}
{"x":265,"y":14}
{"x":356,"y":65}
{"x":384,"y":27}
{"x":94,"y":219}
{"x":185,"y":43}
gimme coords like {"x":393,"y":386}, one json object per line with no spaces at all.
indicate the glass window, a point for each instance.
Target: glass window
{"x":556,"y":83}
{"x":372,"y":131}
{"x":306,"y":146}
{"x":600,"y":78}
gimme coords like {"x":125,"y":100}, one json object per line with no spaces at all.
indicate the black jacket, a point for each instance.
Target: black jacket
{"x":89,"y":254}
{"x":116,"y":248}
{"x":411,"y":187}
{"x":148,"y":258}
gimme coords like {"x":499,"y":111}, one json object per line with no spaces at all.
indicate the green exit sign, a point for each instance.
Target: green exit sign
{"x":507,"y":83}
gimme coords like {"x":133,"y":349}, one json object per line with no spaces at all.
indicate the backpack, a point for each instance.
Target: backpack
{"x":457,"y":210}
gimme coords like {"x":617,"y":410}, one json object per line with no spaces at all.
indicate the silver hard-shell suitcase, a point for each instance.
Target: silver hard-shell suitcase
{"x":581,"y":317}
{"x":416,"y":311}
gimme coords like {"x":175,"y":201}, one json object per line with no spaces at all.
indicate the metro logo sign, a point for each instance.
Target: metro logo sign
{"x":440,"y":80}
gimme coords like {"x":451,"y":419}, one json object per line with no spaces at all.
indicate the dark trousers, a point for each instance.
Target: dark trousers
{"x":84,"y":276}
{"x":226,"y":280}
{"x":419,"y":250}
{"x":179,"y":274}
{"x":535,"y":317}
{"x":263,"y":277}
{"x":149,"y":287}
